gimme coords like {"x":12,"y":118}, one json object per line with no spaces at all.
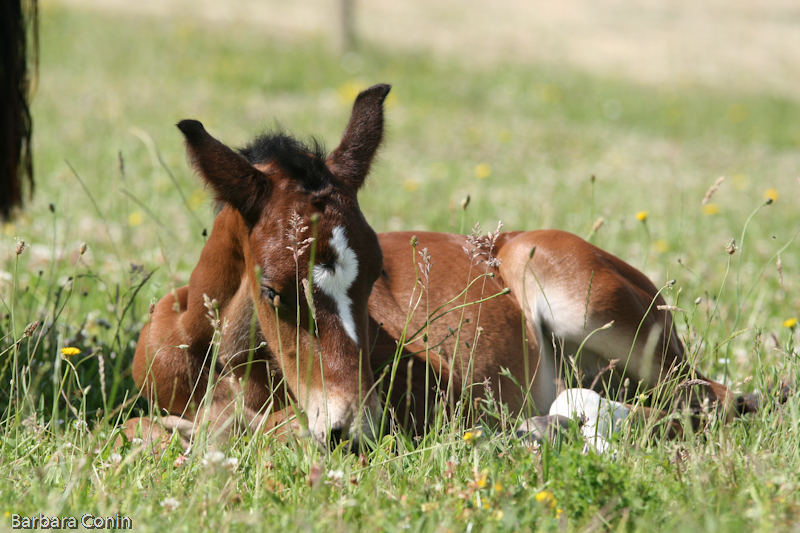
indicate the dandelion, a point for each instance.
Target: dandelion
{"x":771,"y":194}
{"x":411,"y":185}
{"x":197,"y":199}
{"x":790,"y":322}
{"x":481,"y":479}
{"x":483,"y":171}
{"x":741,"y":181}
{"x":661,"y":246}
{"x":498,"y":487}
{"x":472,"y":436}
{"x":69,"y":351}
{"x":641,"y":216}
{"x":545,"y":497}
{"x":134,"y":219}
{"x":710,"y":209}
{"x":349,"y":90}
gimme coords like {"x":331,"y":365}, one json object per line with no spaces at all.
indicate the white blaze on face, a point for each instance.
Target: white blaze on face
{"x":335,"y":280}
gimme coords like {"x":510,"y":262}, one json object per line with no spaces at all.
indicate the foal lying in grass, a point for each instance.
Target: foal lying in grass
{"x":299,"y":315}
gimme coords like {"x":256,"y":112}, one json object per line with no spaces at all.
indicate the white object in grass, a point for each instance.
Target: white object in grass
{"x":599,"y":418}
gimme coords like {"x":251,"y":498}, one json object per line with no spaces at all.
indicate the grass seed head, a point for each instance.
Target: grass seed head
{"x":30,"y":328}
{"x":711,"y":190}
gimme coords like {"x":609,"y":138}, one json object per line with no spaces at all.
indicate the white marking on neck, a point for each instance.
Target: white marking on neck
{"x":335,"y":280}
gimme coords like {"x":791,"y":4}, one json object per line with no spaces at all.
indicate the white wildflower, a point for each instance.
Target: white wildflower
{"x":170,"y":504}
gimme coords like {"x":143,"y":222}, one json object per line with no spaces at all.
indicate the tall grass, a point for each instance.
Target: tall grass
{"x":531,"y":146}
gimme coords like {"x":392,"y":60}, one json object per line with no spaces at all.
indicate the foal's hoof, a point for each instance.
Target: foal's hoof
{"x":541,"y":428}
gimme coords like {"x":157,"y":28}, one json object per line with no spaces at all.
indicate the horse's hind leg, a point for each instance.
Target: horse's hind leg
{"x":597,"y":309}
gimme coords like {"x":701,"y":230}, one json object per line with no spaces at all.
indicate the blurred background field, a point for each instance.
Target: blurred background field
{"x":544,"y":114}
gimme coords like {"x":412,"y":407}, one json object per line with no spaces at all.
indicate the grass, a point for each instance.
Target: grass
{"x":523,"y":142}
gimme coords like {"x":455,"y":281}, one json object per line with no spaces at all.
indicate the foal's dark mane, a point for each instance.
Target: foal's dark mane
{"x":302,"y":162}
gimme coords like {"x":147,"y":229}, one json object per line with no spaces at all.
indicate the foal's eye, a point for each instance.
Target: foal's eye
{"x":271,"y":296}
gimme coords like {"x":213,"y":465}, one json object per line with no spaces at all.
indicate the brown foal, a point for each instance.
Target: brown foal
{"x":297,"y":306}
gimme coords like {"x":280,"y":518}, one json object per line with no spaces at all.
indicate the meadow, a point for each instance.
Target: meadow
{"x":627,"y":165}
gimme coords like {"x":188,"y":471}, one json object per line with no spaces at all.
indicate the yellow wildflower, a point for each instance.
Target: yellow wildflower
{"x":472,"y":436}
{"x":483,"y":171}
{"x":498,"y":487}
{"x":197,"y":199}
{"x":641,"y":216}
{"x":661,"y":246}
{"x":134,"y":219}
{"x":411,"y":185}
{"x":69,"y":351}
{"x":349,"y":90}
{"x":710,"y":209}
{"x":545,"y":497}
{"x":771,"y":194}
{"x":790,"y":322}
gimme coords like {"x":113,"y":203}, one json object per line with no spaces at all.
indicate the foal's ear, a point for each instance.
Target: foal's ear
{"x":361,"y":139}
{"x":233,"y":178}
